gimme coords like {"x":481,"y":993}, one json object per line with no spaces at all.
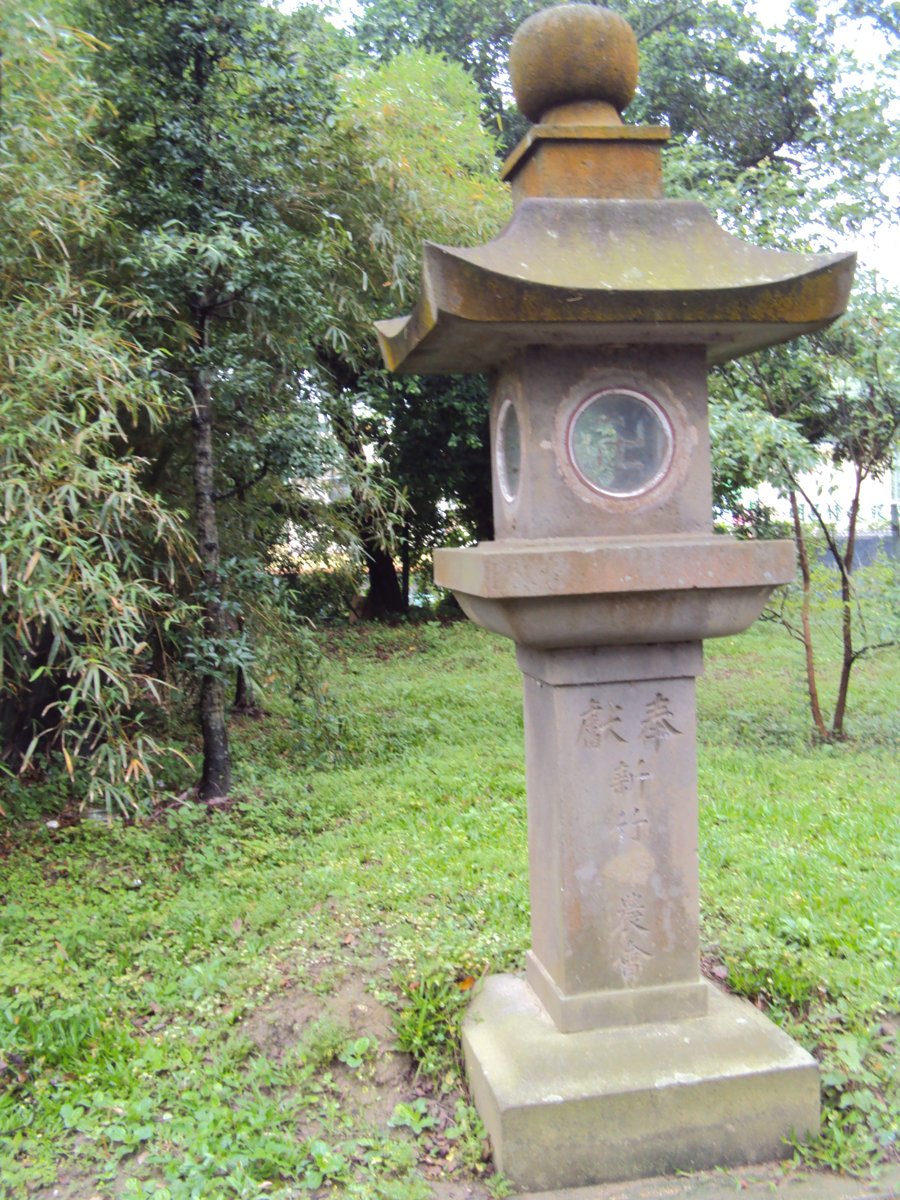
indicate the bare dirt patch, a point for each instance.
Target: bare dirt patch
{"x":288,"y":1018}
{"x":371,"y":1093}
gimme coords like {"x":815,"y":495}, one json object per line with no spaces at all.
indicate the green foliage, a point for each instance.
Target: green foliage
{"x":777,"y":130}
{"x":322,"y":594}
{"x":861,"y":1105}
{"x":78,"y":532}
{"x":414,"y":1116}
{"x":749,"y":445}
{"x":766,"y":115}
{"x":232,"y":68}
{"x":432,"y":433}
{"x":85,"y":550}
{"x":832,"y":400}
{"x":357,"y":1052}
{"x":210,"y":115}
{"x":875,"y":601}
{"x":406,"y":159}
{"x":476,"y":35}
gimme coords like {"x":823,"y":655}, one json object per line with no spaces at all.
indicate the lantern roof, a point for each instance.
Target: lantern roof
{"x":594,"y":253}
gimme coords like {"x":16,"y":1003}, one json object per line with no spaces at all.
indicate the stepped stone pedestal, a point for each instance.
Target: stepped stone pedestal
{"x":570,"y":1109}
{"x":613,"y":1058}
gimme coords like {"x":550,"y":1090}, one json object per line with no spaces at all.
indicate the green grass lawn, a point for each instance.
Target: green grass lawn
{"x":138,"y":964}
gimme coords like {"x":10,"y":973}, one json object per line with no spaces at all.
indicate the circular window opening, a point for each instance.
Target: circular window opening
{"x":509,"y":451}
{"x":620,"y":443}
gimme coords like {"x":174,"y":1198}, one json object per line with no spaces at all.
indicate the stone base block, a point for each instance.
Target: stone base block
{"x":572,"y":1109}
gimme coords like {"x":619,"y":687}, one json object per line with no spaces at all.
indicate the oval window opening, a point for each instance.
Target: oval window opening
{"x":509,"y":451}
{"x":620,"y":443}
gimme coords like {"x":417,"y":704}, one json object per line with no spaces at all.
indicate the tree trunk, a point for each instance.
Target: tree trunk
{"x":216,"y":776}
{"x":404,"y":567}
{"x":811,"y":681}
{"x":243,"y":693}
{"x":385,"y":597}
{"x":848,"y":657}
{"x":28,"y":708}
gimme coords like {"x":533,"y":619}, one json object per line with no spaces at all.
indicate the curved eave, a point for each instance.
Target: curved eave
{"x":610,"y":272}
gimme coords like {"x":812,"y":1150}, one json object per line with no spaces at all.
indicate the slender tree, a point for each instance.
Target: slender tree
{"x":211,"y":112}
{"x":831,"y":402}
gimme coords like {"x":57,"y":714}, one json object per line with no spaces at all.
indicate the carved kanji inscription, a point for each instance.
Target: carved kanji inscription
{"x":624,"y":779}
{"x":657,"y":726}
{"x":632,"y":824}
{"x":598,"y":724}
{"x":633,"y":937}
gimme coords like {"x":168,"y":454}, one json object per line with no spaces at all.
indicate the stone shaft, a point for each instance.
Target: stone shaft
{"x":612,"y":813}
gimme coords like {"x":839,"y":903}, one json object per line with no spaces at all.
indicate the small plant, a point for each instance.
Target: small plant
{"x":780,"y":983}
{"x":470,"y":1135}
{"x":323,"y":1041}
{"x":860,"y":1110}
{"x":356,"y":1052}
{"x":326,"y":1164}
{"x":414,"y":1116}
{"x":499,"y":1187}
{"x":427,"y":1027}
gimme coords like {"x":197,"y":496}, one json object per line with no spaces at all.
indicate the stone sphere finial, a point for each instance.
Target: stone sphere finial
{"x":570,"y":53}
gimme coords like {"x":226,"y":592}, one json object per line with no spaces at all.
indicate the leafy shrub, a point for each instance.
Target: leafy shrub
{"x":323,"y":594}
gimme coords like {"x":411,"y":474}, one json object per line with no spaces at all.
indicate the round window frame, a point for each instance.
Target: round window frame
{"x":662,"y":473}
{"x":509,"y":494}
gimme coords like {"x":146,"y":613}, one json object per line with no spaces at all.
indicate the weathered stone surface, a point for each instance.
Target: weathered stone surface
{"x":615,"y":591}
{"x":580,"y":154}
{"x":759,"y":1182}
{"x":547,"y":387}
{"x":597,"y":272}
{"x":612,"y":826}
{"x":573,"y":52}
{"x":520,"y":567}
{"x":566,"y":1109}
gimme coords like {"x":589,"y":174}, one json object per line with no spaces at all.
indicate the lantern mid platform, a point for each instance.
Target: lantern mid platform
{"x":558,"y":593}
{"x":596,"y":314}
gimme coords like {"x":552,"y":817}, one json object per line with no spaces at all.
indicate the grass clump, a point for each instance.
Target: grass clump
{"x":427,"y":1025}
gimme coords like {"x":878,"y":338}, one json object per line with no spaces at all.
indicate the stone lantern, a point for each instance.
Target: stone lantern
{"x":597,"y":313}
